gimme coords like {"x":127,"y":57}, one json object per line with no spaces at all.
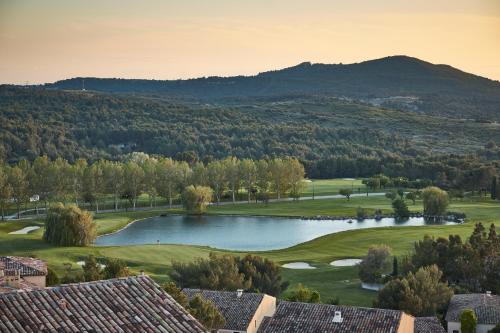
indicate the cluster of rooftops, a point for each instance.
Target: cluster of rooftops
{"x":138,"y":304}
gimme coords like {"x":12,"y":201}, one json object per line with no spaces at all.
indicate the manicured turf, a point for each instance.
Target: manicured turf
{"x":324,"y":207}
{"x":330,"y":281}
{"x":332,"y":186}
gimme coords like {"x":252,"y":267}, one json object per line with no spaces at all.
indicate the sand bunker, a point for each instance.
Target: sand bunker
{"x":24,"y":230}
{"x":298,"y":265}
{"x":345,"y":262}
{"x":81,"y":263}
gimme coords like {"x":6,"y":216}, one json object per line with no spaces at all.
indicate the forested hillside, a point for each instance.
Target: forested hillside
{"x":399,"y":82}
{"x":331,"y":136}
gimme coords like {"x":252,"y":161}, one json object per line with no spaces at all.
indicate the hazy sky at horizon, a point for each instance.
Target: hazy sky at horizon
{"x":49,"y":40}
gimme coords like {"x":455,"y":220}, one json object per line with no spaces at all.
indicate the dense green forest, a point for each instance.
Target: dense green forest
{"x":400,"y":82}
{"x":332,"y":137}
{"x":398,"y":116}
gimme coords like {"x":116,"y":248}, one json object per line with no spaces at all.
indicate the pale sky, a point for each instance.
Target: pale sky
{"x":48,"y":40}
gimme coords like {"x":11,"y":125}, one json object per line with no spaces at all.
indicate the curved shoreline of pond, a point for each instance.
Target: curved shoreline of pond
{"x":307,"y":218}
{"x":242,"y":232}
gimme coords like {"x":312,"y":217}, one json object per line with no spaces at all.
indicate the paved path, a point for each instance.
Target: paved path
{"x":223,"y":203}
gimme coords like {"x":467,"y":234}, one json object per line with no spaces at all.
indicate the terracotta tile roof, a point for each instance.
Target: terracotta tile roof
{"x":428,"y":325}
{"x":486,"y":307}
{"x":133,"y":304}
{"x":295,"y":317}
{"x":27,"y":266}
{"x":238,"y":311}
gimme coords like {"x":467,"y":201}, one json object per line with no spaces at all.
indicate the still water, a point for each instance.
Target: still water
{"x":240,"y":232}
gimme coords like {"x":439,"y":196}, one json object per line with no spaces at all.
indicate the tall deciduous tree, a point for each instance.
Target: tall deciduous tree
{"x":295,"y":173}
{"x":5,"y":188}
{"x":170,"y":175}
{"x":150,"y":179}
{"x":134,"y":183}
{"x":263,"y":177}
{"x":279,"y":177}
{"x":217,"y":179}
{"x":113,"y":180}
{"x":77,"y":172}
{"x":233,"y":175}
{"x":19,"y":184}
{"x":248,"y":171}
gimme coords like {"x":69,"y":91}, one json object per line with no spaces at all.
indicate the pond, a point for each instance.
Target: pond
{"x":239,"y":232}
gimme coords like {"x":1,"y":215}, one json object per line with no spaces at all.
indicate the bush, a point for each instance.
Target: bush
{"x":176,"y":293}
{"x":304,"y":294}
{"x":374,"y":263}
{"x":92,"y":269}
{"x":115,"y":268}
{"x":225,"y":272}
{"x":419,"y":294}
{"x":361,"y":213}
{"x":69,"y":226}
{"x":51,"y":279}
{"x":206,"y":313}
{"x":468,"y":321}
{"x":400,"y":208}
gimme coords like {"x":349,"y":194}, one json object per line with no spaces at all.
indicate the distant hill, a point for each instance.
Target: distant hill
{"x":93,"y":125}
{"x":399,"y":82}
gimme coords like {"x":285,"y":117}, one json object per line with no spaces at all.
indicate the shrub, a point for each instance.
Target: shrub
{"x":435,"y":201}
{"x":361,"y":213}
{"x":400,"y":208}
{"x":304,"y":294}
{"x":51,"y":279}
{"x":468,"y":321}
{"x":206,"y":313}
{"x":374,"y":263}
{"x":420,"y":294}
{"x":115,"y":268}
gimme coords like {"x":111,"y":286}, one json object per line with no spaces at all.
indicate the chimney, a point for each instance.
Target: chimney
{"x":338,"y":317}
{"x":239,"y":292}
{"x":142,"y":273}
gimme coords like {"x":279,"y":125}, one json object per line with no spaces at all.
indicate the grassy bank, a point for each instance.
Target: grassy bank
{"x":330,"y":281}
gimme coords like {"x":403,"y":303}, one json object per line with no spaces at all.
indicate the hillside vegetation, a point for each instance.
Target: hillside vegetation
{"x":425,"y":87}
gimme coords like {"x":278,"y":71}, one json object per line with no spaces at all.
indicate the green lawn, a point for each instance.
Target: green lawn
{"x":330,"y":281}
{"x":332,"y":186}
{"x":324,"y":207}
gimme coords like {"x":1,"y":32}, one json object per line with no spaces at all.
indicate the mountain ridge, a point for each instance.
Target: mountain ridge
{"x":432,"y":89}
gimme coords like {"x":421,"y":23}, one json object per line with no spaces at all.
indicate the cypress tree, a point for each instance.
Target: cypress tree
{"x":395,"y":271}
{"x":494,"y":184}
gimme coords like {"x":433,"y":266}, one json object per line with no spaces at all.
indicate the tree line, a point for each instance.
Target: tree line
{"x":47,"y":181}
{"x":424,"y":281}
